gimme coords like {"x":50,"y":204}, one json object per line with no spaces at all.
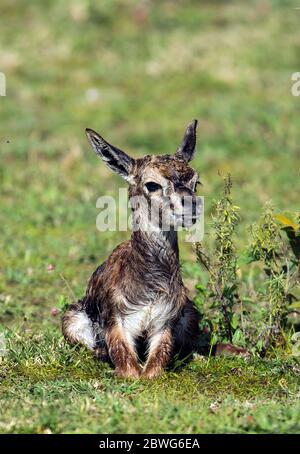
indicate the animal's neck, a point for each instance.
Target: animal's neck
{"x":157,"y":248}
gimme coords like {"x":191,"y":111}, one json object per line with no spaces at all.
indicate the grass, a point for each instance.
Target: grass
{"x":51,"y":387}
{"x":138,"y":73}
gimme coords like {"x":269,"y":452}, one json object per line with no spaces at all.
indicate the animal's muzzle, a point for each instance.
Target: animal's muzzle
{"x":191,"y":206}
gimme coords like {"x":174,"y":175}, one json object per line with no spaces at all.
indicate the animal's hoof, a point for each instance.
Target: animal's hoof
{"x":132,"y":373}
{"x":101,"y":354}
{"x":153,"y":372}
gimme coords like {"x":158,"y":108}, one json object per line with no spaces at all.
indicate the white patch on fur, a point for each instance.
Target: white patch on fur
{"x":152,"y":317}
{"x":81,"y":329}
{"x":155,"y":340}
{"x":135,"y":323}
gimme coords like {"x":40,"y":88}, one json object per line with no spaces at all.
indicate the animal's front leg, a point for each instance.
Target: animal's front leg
{"x":122,"y":353}
{"x":160,"y":349}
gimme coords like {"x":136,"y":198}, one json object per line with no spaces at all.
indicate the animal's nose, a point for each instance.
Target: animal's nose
{"x":190,"y":202}
{"x":186,"y":195}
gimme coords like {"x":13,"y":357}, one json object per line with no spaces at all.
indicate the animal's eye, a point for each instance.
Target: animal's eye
{"x":152,"y":187}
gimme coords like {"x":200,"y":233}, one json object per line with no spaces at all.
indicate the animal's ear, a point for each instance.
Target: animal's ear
{"x":188,"y":146}
{"x":115,"y":159}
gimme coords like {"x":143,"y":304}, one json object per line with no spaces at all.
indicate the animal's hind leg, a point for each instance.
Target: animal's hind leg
{"x":77,"y":327}
{"x":186,"y":332}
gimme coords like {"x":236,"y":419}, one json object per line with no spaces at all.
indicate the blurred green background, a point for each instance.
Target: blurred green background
{"x":137,"y":72}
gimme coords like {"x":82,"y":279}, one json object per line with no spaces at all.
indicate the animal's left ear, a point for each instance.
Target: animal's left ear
{"x":188,"y":146}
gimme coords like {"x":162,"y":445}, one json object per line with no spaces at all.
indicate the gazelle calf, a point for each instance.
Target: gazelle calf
{"x":136,"y":306}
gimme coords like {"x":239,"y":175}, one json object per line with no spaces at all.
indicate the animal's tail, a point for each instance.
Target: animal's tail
{"x":77,"y":327}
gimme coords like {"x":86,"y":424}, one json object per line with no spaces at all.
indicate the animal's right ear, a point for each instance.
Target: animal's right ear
{"x":115,"y":159}
{"x":188,"y":146}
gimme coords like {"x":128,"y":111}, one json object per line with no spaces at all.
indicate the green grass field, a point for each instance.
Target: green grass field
{"x":137,"y":72}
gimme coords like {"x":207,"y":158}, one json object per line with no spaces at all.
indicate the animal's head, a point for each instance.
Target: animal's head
{"x":167,"y":183}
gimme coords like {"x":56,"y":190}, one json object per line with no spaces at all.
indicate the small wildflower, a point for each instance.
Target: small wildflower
{"x":54,"y":311}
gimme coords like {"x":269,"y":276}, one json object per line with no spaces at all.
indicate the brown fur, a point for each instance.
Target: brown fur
{"x":122,"y":354}
{"x":159,"y":357}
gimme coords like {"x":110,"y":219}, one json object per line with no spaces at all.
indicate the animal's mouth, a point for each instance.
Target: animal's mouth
{"x":186,"y":219}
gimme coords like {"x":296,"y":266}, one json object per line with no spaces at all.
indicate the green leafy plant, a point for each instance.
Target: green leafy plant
{"x":279,"y":256}
{"x":261,"y":317}
{"x":221,"y":265}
